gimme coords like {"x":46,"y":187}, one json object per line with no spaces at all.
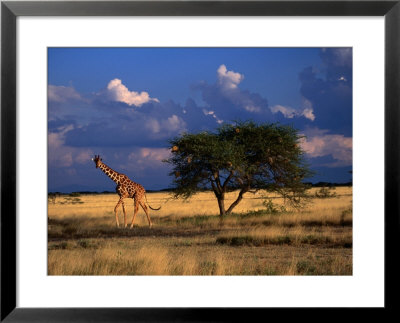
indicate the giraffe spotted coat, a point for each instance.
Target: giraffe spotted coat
{"x":126,"y":188}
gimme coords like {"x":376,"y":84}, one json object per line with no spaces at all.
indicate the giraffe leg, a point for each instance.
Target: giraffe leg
{"x":144,"y":207}
{"x":135,"y":212}
{"x":123,"y":208}
{"x":116,"y":211}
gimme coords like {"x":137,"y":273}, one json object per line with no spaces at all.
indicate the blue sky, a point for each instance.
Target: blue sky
{"x":125,"y":103}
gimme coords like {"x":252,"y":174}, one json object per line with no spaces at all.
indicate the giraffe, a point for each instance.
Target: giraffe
{"x":126,"y":189}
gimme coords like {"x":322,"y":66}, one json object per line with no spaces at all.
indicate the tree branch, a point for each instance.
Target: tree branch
{"x":215,"y":188}
{"x":217,"y":181}
{"x":227,"y":180}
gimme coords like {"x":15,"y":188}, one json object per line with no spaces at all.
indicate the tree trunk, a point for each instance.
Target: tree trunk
{"x":237,"y":201}
{"x":221,"y":204}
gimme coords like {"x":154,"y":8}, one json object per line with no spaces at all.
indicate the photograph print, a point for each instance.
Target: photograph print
{"x":200,"y":161}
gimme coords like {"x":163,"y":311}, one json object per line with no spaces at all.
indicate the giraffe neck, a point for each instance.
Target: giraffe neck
{"x":110,"y":172}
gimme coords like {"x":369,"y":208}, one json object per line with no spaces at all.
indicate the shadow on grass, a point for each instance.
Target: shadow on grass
{"x":192,"y":226}
{"x":247,"y":240}
{"x":73,"y":228}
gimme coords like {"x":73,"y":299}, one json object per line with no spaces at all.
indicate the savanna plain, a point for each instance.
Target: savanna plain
{"x":263,"y":237}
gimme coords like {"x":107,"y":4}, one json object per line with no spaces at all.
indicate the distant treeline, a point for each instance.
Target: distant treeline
{"x":328,"y":184}
{"x":103,"y":192}
{"x":319,"y":184}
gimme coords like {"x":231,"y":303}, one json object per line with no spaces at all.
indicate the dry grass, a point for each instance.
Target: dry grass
{"x":188,"y":237}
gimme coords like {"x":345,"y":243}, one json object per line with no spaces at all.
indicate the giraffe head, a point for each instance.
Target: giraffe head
{"x":97,"y":160}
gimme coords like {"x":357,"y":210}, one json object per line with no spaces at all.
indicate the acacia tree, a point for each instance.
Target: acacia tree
{"x":244,"y":156}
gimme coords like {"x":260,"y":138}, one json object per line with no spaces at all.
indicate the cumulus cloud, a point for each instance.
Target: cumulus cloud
{"x":61,"y":94}
{"x":225,"y":98}
{"x":149,"y":154}
{"x":120,"y":93}
{"x":172,"y":124}
{"x":56,"y":138}
{"x":252,"y":108}
{"x":61,"y":155}
{"x":319,"y":143}
{"x":153,"y":125}
{"x":228,"y":79}
{"x":146,"y":158}
{"x":308,"y":114}
{"x":290,"y":113}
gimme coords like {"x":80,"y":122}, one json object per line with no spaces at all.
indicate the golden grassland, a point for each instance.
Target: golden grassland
{"x":188,"y":237}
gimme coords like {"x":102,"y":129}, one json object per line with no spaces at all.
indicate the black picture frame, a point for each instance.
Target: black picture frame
{"x":10,"y":10}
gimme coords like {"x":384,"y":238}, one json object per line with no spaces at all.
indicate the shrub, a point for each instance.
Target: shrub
{"x":271,"y":208}
{"x":325,"y":192}
{"x":83,"y":243}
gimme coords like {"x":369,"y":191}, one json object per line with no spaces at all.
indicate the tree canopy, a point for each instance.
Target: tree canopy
{"x":243,"y":156}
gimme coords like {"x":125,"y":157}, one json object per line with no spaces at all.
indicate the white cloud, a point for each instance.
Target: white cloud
{"x":153,"y":125}
{"x":228,"y":79}
{"x":212,"y":113}
{"x":309,"y":114}
{"x":226,"y":93}
{"x":119,"y":92}
{"x":64,"y":156}
{"x":252,"y":108}
{"x":290,"y":113}
{"x":174,"y":123}
{"x":155,"y":154}
{"x":321,"y":144}
{"x":147,"y":157}
{"x":170,"y":125}
{"x":62,"y":94}
{"x":56,"y":139}
{"x":308,"y":111}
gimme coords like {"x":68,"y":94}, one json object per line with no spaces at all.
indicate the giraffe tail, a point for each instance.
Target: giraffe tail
{"x":154,"y":209}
